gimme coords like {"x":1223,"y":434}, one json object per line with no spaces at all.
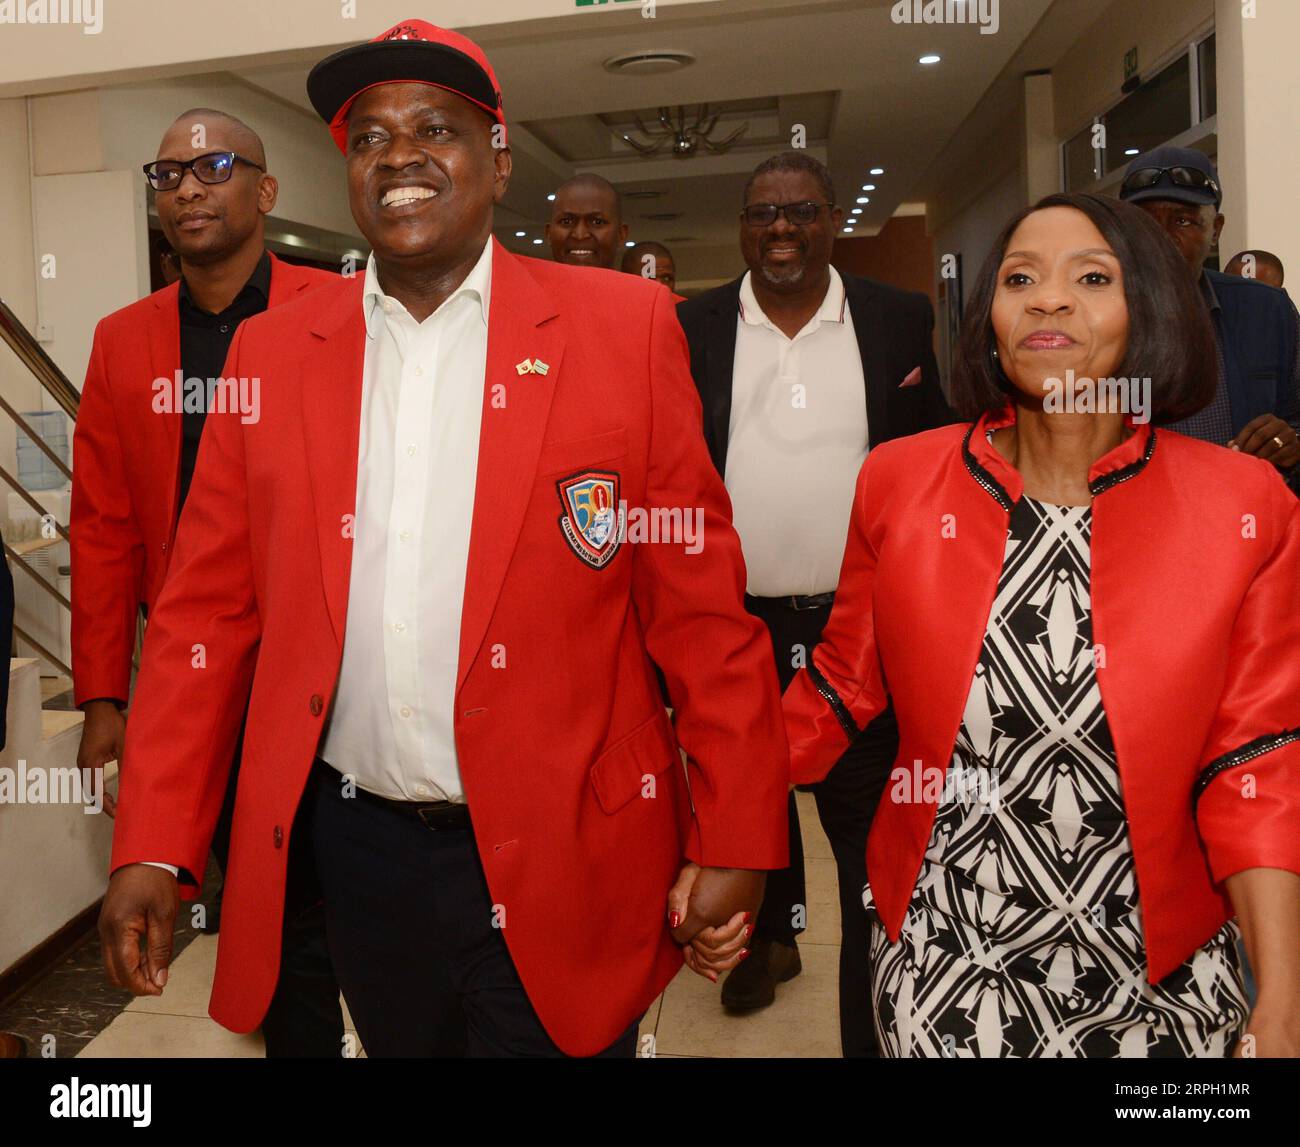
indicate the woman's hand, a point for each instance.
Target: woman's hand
{"x":702,"y":919}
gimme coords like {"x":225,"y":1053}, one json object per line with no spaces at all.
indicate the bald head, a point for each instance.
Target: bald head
{"x":653,"y":261}
{"x":586,"y":227}
{"x":1261,"y":265}
{"x":202,"y":125}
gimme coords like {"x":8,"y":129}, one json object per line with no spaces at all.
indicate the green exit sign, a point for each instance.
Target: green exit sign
{"x":1130,"y":63}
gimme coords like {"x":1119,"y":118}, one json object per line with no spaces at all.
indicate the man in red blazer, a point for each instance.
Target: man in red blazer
{"x":143,"y":411}
{"x":476,"y":506}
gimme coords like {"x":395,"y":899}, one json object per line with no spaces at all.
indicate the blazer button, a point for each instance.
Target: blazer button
{"x":278,"y":836}
{"x":316,"y":705}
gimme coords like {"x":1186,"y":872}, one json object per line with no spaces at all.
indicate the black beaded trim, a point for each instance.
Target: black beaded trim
{"x":841,"y":710}
{"x":982,"y":476}
{"x":1248,"y":752}
{"x":1106,"y":481}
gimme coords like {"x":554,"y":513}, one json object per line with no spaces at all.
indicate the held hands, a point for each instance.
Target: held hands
{"x":711,"y":913}
{"x":141,"y":904}
{"x":1258,"y":437}
{"x":101,"y":741}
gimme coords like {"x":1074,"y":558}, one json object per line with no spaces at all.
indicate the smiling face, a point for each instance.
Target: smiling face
{"x":585,"y":228}
{"x":423,"y":175}
{"x":207,"y":222}
{"x":1059,"y":302}
{"x":1194,"y":228}
{"x":785,"y":255}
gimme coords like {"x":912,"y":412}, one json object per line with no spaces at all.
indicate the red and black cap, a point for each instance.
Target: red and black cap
{"x":412,"y":52}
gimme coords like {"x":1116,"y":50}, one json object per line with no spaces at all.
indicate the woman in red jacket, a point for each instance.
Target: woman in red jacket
{"x":1090,"y":630}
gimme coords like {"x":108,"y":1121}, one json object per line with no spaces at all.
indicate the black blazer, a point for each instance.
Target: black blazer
{"x":894,"y":329}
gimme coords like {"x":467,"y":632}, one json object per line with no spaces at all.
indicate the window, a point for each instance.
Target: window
{"x":1208,"y":84}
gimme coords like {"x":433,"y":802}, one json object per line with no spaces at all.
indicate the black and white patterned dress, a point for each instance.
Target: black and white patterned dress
{"x":1023,"y":936}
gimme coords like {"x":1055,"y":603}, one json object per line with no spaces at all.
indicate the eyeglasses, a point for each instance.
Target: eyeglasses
{"x":764,"y":214}
{"x":1179,"y":176}
{"x":215,"y":167}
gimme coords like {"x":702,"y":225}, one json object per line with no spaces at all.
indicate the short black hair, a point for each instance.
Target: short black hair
{"x":794,"y":161}
{"x":1170,"y":339}
{"x":591,"y":179}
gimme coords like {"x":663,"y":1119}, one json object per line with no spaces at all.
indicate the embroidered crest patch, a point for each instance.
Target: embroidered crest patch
{"x":590,"y":520}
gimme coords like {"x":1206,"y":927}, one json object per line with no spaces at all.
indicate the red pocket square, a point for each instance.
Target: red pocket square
{"x":913,"y":377}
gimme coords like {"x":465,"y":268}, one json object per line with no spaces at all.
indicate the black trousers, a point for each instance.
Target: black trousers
{"x":410,"y":925}
{"x":304,"y":1020}
{"x":846,"y":802}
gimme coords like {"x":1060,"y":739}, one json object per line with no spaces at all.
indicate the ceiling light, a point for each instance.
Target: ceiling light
{"x":520,"y":234}
{"x":648,"y":63}
{"x":931,"y":59}
{"x":1131,"y":151}
{"x":868,"y":187}
{"x":537,"y":242}
{"x":864,"y":198}
{"x":551,"y":198}
{"x":876,"y":171}
{"x":629,"y":243}
{"x":848,"y":230}
{"x":856,"y":211}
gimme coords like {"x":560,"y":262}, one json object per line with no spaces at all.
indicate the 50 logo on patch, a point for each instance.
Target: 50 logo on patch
{"x":590,"y":522}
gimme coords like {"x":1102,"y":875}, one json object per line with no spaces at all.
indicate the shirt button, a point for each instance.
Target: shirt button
{"x":278,"y":837}
{"x":399,"y":626}
{"x":421,"y":790}
{"x":405,"y":535}
{"x":419,"y":370}
{"x":316,"y":705}
{"x":405,"y":711}
{"x":225,"y":328}
{"x":410,"y":449}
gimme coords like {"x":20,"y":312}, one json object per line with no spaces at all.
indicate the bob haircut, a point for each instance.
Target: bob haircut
{"x":1170,"y":339}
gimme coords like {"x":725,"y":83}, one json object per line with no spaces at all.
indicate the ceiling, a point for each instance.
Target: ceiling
{"x":840,"y":68}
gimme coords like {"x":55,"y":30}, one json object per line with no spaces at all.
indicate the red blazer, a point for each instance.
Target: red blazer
{"x":1195,"y":606}
{"x":557,"y":750}
{"x":126,"y":479}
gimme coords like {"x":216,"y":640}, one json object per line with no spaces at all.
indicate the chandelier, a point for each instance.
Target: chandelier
{"x":681,"y":137}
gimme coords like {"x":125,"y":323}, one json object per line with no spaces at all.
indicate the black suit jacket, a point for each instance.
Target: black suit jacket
{"x":894,"y":329}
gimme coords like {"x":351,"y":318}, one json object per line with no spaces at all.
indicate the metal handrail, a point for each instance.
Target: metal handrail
{"x":44,"y":368}
{"x":25,"y":495}
{"x":30,"y":640}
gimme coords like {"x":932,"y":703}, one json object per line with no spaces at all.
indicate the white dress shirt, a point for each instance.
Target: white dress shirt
{"x":391,"y":725}
{"x":797,"y":439}
{"x":421,"y":404}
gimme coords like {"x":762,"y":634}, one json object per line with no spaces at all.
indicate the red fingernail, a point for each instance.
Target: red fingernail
{"x":674,"y":919}
{"x":713,"y":976}
{"x":748,"y":931}
{"x":748,"y":918}
{"x":744,"y":955}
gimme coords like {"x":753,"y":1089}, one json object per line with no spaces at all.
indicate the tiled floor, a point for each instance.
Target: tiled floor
{"x":686,"y":1021}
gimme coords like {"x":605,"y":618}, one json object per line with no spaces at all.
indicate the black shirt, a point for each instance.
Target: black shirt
{"x":205,"y":340}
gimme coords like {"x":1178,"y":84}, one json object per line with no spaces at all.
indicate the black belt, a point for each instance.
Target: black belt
{"x":796,"y":602}
{"x":438,"y":816}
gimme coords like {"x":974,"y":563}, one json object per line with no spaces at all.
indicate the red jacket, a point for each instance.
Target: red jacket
{"x":126,"y":479}
{"x":1196,"y":616}
{"x":556,"y":750}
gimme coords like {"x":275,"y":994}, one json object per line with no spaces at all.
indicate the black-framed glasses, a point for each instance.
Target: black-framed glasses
{"x":1179,"y":176}
{"x":764,"y":214}
{"x":215,"y":167}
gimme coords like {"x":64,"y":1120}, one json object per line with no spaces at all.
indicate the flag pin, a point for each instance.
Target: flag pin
{"x":525,"y":367}
{"x":539,"y":367}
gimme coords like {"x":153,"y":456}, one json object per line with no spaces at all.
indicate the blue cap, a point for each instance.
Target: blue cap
{"x":1162,"y":159}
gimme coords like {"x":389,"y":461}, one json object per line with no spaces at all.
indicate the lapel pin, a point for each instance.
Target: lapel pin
{"x":525,"y":367}
{"x":539,"y":367}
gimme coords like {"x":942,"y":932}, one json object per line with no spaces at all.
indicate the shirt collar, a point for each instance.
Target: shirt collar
{"x":259,"y":281}
{"x":478,"y":283}
{"x":830,"y":311}
{"x":1207,"y":289}
{"x":1003,"y":482}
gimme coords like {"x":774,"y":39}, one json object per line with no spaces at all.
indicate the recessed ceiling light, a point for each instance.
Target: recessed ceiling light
{"x":931,"y":59}
{"x":537,"y":242}
{"x":864,"y":199}
{"x":876,"y":171}
{"x":849,"y":230}
{"x":629,"y":243}
{"x":648,"y":63}
{"x":868,"y":187}
{"x":551,"y":198}
{"x":856,"y":211}
{"x":1131,"y":151}
{"x":520,"y":234}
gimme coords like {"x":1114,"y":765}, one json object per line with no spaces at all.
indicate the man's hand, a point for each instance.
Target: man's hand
{"x":1260,"y":437}
{"x":141,"y":903}
{"x":711,"y":912}
{"x":101,"y":741}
